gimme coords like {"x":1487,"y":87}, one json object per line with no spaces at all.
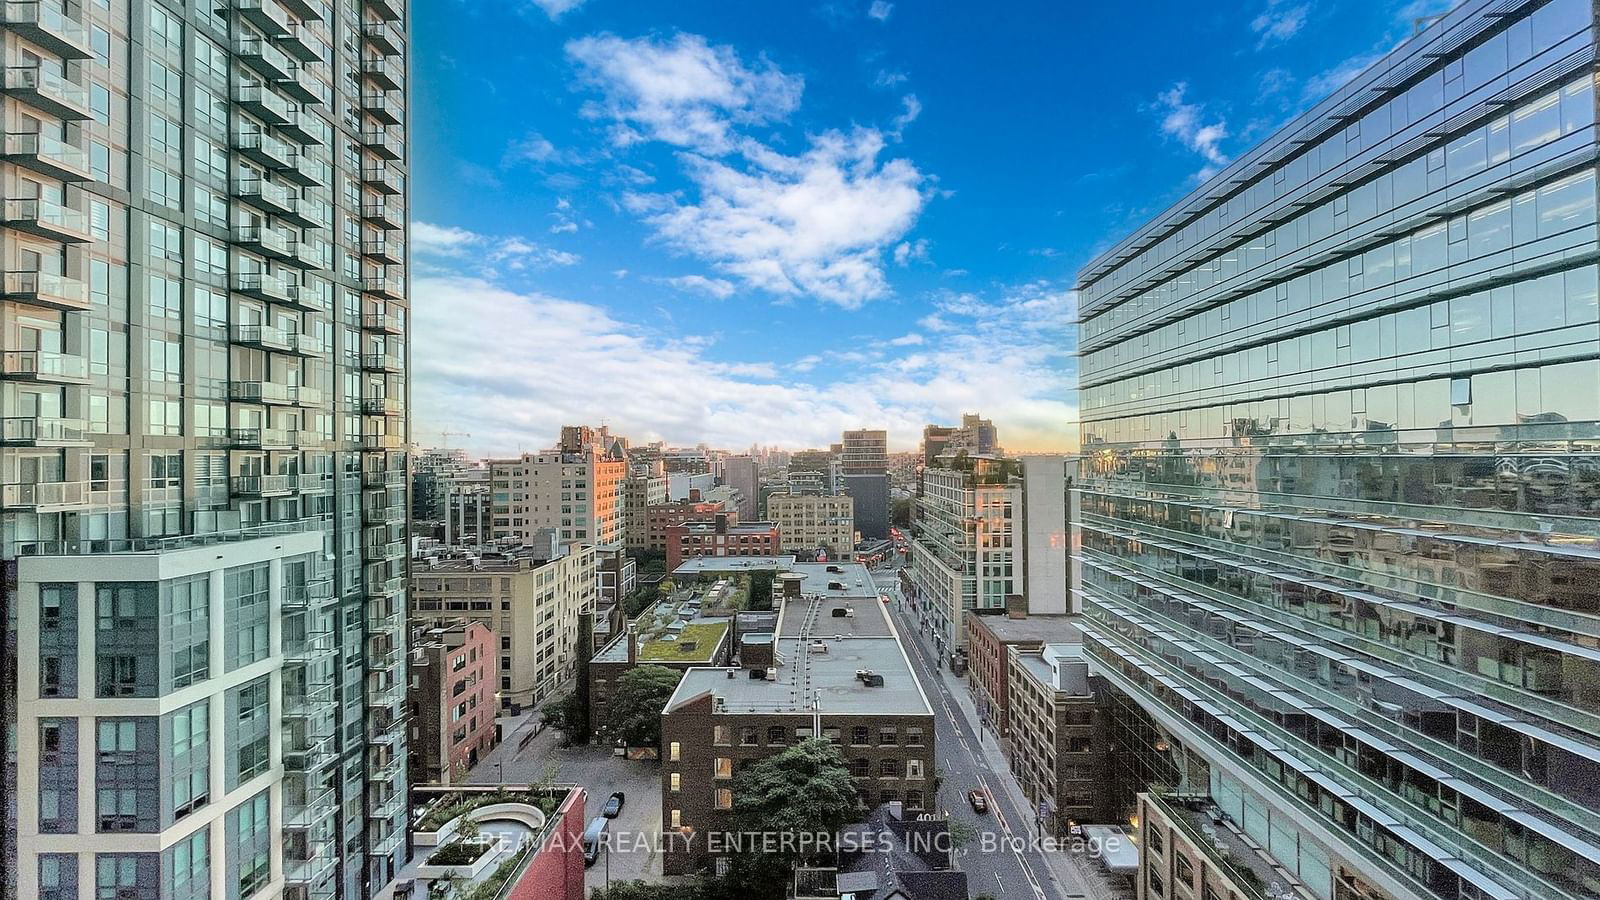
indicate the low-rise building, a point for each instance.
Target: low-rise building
{"x":661,"y":516}
{"x":721,"y":537}
{"x":452,"y":697}
{"x":988,"y":661}
{"x":642,"y":489}
{"x":1058,"y":744}
{"x":530,"y":596}
{"x":670,"y":633}
{"x":837,"y":670}
{"x":813,"y":523}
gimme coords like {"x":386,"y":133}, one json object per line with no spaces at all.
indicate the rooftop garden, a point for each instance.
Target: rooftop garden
{"x":441,"y":808}
{"x":695,"y":642}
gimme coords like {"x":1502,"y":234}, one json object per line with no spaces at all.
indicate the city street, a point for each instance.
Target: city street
{"x":1013,"y":865}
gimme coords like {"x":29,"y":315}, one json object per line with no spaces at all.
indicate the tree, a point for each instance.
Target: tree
{"x":568,"y":715}
{"x":648,"y":890}
{"x":636,"y":704}
{"x":760,"y":590}
{"x":806,"y":792}
{"x":900,"y":516}
{"x":639,"y":600}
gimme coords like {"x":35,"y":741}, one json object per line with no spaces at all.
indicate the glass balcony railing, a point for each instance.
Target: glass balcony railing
{"x":46,"y":25}
{"x":266,"y":15}
{"x":309,"y":594}
{"x":47,"y":289}
{"x":259,"y":53}
{"x":262,"y":286}
{"x":381,"y":362}
{"x":273,"y":242}
{"x":48,"y":91}
{"x":265,"y":194}
{"x":31,"y":431}
{"x":264,"y":148}
{"x":387,"y":323}
{"x":263,"y":438}
{"x":264,"y":337}
{"x":386,"y":587}
{"x":37,"y":495}
{"x":43,"y":365}
{"x":381,"y":478}
{"x":46,"y":219}
{"x":48,"y":156}
{"x":261,"y":100}
{"x":263,"y":485}
{"x":382,"y":72}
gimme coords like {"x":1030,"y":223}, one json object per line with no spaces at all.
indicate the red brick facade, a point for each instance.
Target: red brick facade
{"x":556,"y":872}
{"x":453,"y":697}
{"x":721,"y":537}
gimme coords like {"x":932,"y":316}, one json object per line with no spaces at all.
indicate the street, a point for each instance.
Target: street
{"x":1013,"y":865}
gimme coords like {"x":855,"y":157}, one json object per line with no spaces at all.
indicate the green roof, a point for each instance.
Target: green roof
{"x":704,"y":635}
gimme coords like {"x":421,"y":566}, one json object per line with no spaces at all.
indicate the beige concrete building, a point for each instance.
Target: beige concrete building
{"x":578,"y":494}
{"x":640,"y":491}
{"x":530,"y":598}
{"x":807,"y":522}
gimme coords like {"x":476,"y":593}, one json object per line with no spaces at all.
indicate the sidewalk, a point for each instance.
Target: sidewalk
{"x":1064,"y":866}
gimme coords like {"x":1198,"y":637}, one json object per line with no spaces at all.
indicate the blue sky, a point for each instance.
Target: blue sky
{"x":769,"y":222}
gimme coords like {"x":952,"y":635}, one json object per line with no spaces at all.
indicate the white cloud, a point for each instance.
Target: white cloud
{"x":682,"y":91}
{"x":555,"y":9}
{"x":880,"y":10}
{"x":906,"y":251}
{"x":908,"y":340}
{"x":1186,"y":122}
{"x":440,"y":239}
{"x":719,"y":288}
{"x":913,"y":109}
{"x":619,"y":273}
{"x":558,"y":361}
{"x":450,"y":242}
{"x":887,"y":79}
{"x":1279,"y":22}
{"x":564,"y":228}
{"x":812,"y":224}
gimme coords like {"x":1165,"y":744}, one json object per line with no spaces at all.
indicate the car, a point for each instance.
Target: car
{"x":613,"y":806}
{"x":979,"y":803}
{"x":594,"y":839}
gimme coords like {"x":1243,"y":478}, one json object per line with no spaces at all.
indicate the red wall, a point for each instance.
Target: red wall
{"x":556,"y":872}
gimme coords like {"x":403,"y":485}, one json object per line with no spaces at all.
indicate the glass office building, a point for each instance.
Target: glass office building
{"x":203,"y":399}
{"x":1340,"y":480}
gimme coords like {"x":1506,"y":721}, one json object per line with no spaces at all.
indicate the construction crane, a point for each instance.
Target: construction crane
{"x":445,"y":436}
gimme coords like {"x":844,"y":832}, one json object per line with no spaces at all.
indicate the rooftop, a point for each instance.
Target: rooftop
{"x":853,"y":579}
{"x":697,"y":642}
{"x":717,"y":565}
{"x":667,"y":625}
{"x":1046,"y":629}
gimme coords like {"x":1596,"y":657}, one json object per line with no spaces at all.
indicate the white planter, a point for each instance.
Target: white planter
{"x":468,"y":873}
{"x":525,"y":813}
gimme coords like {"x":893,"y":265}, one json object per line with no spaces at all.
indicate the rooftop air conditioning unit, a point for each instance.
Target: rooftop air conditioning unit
{"x":817,"y":647}
{"x":772,"y":673}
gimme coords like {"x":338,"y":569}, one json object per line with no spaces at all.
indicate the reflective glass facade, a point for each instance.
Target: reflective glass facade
{"x":1341,"y":470}
{"x":203,"y":391}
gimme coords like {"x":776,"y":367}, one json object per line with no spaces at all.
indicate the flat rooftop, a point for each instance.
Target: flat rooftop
{"x":1051,"y":629}
{"x":717,"y":565}
{"x":853,"y":579}
{"x":820,"y":654}
{"x":681,"y":622}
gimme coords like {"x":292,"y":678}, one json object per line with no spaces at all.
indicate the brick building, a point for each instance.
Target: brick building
{"x":661,"y":516}
{"x":452,"y":700}
{"x":988,"y":668}
{"x":833,"y":642}
{"x":1058,"y":745}
{"x":723,"y":536}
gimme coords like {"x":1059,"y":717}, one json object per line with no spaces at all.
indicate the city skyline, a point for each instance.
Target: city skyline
{"x":627,"y":178}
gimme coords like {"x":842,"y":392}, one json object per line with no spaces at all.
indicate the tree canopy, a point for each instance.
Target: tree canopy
{"x":568,"y":715}
{"x":636,"y":704}
{"x":805,"y":790}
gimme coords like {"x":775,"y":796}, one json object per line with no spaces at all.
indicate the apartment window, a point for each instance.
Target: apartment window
{"x":253,"y":838}
{"x":888,"y":768}
{"x":913,"y":768}
{"x":166,"y":241}
{"x":914,"y":736}
{"x":722,"y":767}
{"x":100,"y":220}
{"x":747,"y":736}
{"x":777,"y":735}
{"x":674,"y":782}
{"x":721,"y":735}
{"x":860,"y":735}
{"x":677,"y":818}
{"x":673,"y":749}
{"x":722,"y":798}
{"x":888,"y":736}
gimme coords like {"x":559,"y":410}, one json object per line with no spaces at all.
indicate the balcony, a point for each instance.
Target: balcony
{"x":264,"y":337}
{"x":383,"y":406}
{"x":311,"y":594}
{"x":313,"y":870}
{"x":382,"y":514}
{"x":45,"y":366}
{"x":382,"y":442}
{"x":381,"y":478}
{"x":262,"y":101}
{"x":381,"y":72}
{"x":301,"y":44}
{"x":266,"y":15}
{"x":49,"y":27}
{"x":382,"y":37}
{"x":382,"y":362}
{"x":388,"y":809}
{"x":306,"y":172}
{"x":273,"y":394}
{"x":381,"y":108}
{"x":42,"y":218}
{"x":316,"y":482}
{"x":381,"y":144}
{"x":383,"y":549}
{"x":386,"y":771}
{"x":308,"y":647}
{"x":41,"y":431}
{"x":47,"y":289}
{"x":385,"y":588}
{"x":383,"y":251}
{"x":308,"y":345}
{"x":383,"y":323}
{"x":47,"y":156}
{"x":260,"y":55}
{"x":305,"y":255}
{"x":263,"y":438}
{"x":305,"y":807}
{"x":47,"y":496}
{"x":263,"y":194}
{"x":383,"y":215}
{"x":270,"y":242}
{"x":261,"y":147}
{"x":386,"y":10}
{"x":295,"y":86}
{"x":46,"y":91}
{"x":262,"y":287}
{"x":387,"y":180}
{"x":387,"y":287}
{"x":263,"y":485}
{"x":383,"y":624}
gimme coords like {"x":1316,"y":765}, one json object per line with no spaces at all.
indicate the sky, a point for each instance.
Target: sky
{"x":766,"y":223}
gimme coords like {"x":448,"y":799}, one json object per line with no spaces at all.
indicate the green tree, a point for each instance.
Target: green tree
{"x":806,"y":792}
{"x":568,"y":716}
{"x":639,"y":600}
{"x":900,"y":516}
{"x":636,"y":704}
{"x":648,"y":890}
{"x":760,"y":590}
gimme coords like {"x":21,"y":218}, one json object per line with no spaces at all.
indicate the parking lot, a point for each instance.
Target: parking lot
{"x":633,"y":834}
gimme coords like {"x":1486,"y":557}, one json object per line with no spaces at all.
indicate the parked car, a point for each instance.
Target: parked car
{"x":613,"y":806}
{"x":980,"y":803}
{"x":594,"y":839}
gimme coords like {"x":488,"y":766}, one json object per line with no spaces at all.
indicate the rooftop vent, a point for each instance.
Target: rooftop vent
{"x":817,"y":647}
{"x":869,"y":678}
